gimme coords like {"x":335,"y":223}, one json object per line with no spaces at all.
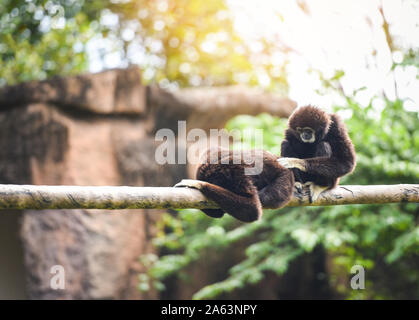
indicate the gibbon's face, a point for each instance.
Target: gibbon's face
{"x":309,"y":124}
{"x":306,"y":134}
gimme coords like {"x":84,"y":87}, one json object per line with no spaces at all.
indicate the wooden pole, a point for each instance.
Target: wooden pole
{"x":83,"y":197}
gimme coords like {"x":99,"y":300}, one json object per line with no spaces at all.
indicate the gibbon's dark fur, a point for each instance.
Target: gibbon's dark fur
{"x":243,"y":196}
{"x":329,"y":157}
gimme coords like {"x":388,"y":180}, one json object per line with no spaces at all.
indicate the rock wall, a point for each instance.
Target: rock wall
{"x":98,"y":129}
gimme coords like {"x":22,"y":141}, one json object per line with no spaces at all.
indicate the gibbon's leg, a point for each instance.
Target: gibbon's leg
{"x":196,"y":184}
{"x":288,"y":153}
{"x":314,"y":190}
{"x":298,"y":186}
{"x":298,"y":180}
{"x":246,"y":207}
{"x":278,"y":192}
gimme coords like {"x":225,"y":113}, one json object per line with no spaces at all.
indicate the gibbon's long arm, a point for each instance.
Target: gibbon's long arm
{"x":342,"y":160}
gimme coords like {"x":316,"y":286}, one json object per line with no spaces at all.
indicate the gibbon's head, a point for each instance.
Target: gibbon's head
{"x":309,"y":124}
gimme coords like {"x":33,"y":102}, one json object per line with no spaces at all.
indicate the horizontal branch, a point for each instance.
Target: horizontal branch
{"x":78,"y":197}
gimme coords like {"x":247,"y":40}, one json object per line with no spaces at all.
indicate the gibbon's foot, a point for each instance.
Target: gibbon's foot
{"x":189,"y":183}
{"x":299,"y":187}
{"x":314,"y":190}
{"x":290,"y":163}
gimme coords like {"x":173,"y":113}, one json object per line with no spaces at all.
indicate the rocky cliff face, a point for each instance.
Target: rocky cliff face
{"x":98,"y":129}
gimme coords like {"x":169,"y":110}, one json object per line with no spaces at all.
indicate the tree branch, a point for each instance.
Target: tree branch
{"x":78,"y":197}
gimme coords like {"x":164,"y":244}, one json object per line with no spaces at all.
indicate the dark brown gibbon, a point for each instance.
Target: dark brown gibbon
{"x":318,"y":149}
{"x":238,"y":194}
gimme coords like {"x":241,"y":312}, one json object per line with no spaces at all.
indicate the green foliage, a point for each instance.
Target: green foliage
{"x":190,"y":43}
{"x":41,"y":38}
{"x":370,"y":235}
{"x":175,"y":42}
{"x":195,"y":50}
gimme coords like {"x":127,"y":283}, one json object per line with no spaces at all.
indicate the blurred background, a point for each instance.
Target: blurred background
{"x":357,"y":58}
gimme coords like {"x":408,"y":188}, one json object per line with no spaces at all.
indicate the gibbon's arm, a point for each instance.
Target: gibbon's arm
{"x":286,"y":150}
{"x":323,"y":150}
{"x":342,"y":160}
{"x":278,"y":192}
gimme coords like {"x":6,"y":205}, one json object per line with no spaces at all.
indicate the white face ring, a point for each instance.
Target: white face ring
{"x":311,"y":140}
{"x":313,"y":136}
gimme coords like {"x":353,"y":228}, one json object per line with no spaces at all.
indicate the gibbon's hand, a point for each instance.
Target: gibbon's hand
{"x":189,"y":183}
{"x":290,"y":163}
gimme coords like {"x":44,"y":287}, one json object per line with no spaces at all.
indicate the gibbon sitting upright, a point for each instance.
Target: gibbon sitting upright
{"x":318,"y":149}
